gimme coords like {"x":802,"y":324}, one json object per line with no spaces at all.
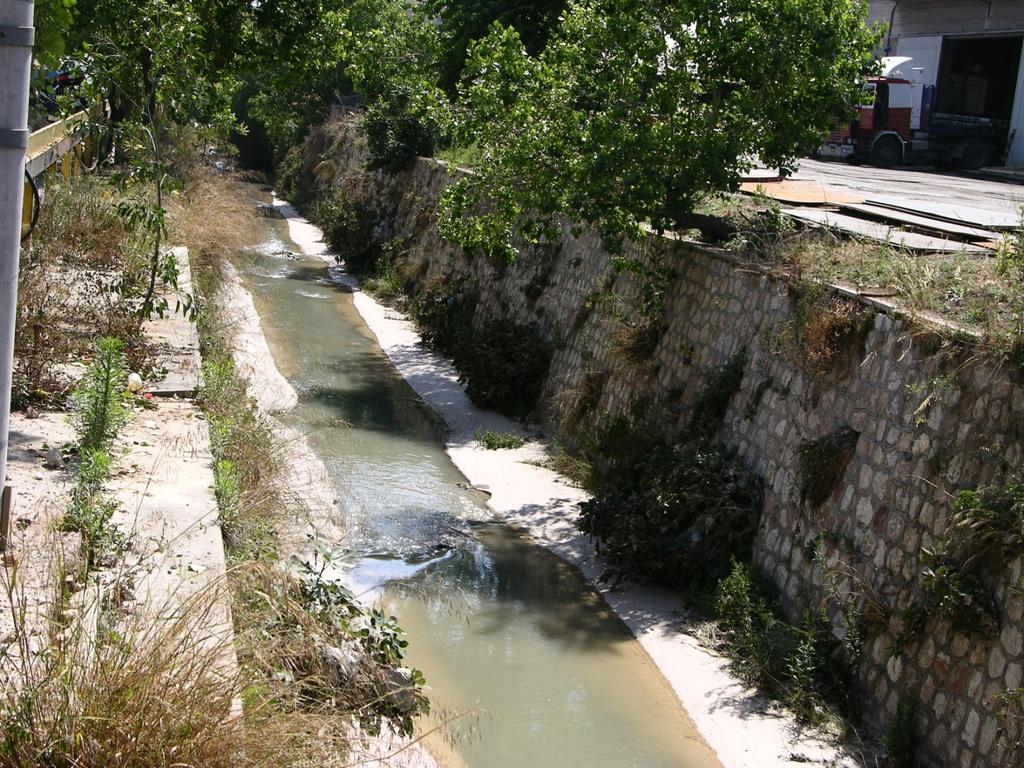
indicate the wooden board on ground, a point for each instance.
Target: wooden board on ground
{"x":955,"y":212}
{"x":880,"y":232}
{"x":801,"y":192}
{"x":923,"y":222}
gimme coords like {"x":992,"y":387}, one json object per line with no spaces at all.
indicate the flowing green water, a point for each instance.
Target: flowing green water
{"x":502,"y":629}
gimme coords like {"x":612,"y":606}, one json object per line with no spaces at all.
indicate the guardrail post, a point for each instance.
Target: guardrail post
{"x":27,"y":209}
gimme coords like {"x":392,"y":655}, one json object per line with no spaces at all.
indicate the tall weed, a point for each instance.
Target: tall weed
{"x":99,"y":401}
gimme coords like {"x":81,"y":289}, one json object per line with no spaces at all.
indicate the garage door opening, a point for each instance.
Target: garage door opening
{"x":978,"y":76}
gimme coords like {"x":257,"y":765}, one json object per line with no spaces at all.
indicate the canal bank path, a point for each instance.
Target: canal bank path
{"x":743,"y":729}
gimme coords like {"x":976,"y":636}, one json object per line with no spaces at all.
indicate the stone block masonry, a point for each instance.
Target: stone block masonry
{"x":923,"y":420}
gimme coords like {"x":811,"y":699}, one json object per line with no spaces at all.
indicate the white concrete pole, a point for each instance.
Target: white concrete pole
{"x":16,"y":38}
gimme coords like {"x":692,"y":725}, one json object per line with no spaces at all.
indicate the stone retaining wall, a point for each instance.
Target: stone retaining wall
{"x":924,"y":420}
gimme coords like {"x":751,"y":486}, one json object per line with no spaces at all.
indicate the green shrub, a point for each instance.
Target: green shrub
{"x":384,"y":282}
{"x":395,"y":136}
{"x":396,"y":697}
{"x":498,"y":441}
{"x":797,"y":664}
{"x":99,"y":401}
{"x":616,"y":443}
{"x":349,"y":221}
{"x":721,"y":385}
{"x":503,"y":366}
{"x":677,"y":516}
{"x":90,"y":510}
{"x":443,"y":312}
{"x":899,"y":739}
{"x":295,"y":181}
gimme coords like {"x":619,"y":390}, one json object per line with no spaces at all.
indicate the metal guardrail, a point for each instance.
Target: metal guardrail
{"x":65,"y":144}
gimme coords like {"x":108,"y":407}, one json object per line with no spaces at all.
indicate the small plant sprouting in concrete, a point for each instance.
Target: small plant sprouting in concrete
{"x":100,"y":412}
{"x":100,"y":400}
{"x":498,"y":441}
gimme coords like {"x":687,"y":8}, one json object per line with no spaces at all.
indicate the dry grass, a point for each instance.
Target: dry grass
{"x":147,"y":693}
{"x":150,"y":692}
{"x":215,"y":215}
{"x":966,"y":289}
{"x":77,"y":278}
{"x":821,"y":331}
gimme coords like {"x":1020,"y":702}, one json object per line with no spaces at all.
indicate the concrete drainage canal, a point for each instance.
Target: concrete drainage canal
{"x":502,"y":629}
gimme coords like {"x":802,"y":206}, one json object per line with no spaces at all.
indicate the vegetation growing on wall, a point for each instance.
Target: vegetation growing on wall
{"x":677,"y":517}
{"x":642,"y":317}
{"x":962,"y":572}
{"x":821,"y":331}
{"x":823,"y":463}
{"x":504,"y":365}
{"x":717,"y":392}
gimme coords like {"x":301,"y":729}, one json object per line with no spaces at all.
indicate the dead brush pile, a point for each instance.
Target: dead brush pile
{"x":78,"y":275}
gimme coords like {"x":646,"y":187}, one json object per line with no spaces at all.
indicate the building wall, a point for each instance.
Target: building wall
{"x":917,"y":441}
{"x":949,"y":17}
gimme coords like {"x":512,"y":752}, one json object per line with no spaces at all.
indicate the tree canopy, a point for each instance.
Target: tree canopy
{"x":636,"y":109}
{"x":617,"y":113}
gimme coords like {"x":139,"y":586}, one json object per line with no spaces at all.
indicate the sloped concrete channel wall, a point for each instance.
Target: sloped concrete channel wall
{"x":894,"y":497}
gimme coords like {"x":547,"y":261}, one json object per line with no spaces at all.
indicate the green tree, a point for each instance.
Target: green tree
{"x":464,"y":21}
{"x":294,"y":66}
{"x":168,"y":91}
{"x":52,"y":20}
{"x":638,"y":109}
{"x":394,"y":66}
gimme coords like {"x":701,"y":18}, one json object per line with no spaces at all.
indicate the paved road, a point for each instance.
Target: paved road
{"x":912,"y":183}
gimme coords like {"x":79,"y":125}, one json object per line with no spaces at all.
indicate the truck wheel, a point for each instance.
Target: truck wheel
{"x":886,"y":152}
{"x":975,"y":156}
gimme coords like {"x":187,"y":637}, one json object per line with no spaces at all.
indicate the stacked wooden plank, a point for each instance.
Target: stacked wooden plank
{"x":917,"y":225}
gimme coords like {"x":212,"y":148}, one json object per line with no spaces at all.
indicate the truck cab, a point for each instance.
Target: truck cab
{"x":895,"y":123}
